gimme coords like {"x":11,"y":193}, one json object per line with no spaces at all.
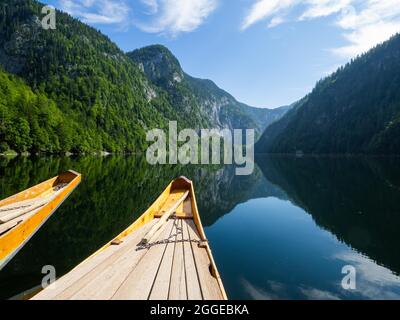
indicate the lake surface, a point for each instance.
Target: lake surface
{"x":285,"y":232}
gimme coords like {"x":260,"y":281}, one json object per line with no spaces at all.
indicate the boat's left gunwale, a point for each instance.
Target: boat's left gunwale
{"x":144,"y":219}
{"x":14,"y":240}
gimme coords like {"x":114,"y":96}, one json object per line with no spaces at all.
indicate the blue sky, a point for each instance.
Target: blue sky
{"x":266,"y":53}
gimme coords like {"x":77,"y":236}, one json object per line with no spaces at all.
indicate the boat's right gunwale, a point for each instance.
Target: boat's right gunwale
{"x":180,"y":183}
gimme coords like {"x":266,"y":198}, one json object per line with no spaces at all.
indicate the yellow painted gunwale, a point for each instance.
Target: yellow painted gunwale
{"x":178,"y":184}
{"x":12,"y":241}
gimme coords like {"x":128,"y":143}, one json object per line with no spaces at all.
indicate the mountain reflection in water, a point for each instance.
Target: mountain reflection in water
{"x":285,"y":232}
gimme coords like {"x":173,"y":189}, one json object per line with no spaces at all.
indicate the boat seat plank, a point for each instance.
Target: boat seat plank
{"x":187,"y":208}
{"x":83,"y":274}
{"x":208,"y":284}
{"x":192,"y":279}
{"x":139,"y":283}
{"x":170,"y":201}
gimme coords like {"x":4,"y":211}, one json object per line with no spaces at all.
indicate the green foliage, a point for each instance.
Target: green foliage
{"x":356,"y":110}
{"x":82,"y":93}
{"x":28,"y":121}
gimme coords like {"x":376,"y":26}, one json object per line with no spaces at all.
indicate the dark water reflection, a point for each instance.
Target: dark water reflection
{"x":284,"y":232}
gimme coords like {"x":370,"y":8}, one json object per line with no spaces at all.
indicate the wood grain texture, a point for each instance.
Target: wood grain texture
{"x":177,"y":289}
{"x":138,"y":284}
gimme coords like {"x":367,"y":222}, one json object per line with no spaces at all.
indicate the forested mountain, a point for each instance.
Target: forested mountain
{"x":103,"y":96}
{"x":29,"y":119}
{"x":198,"y":97}
{"x":99,"y":98}
{"x":356,"y":110}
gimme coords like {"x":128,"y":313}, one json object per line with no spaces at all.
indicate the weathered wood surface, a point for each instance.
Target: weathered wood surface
{"x":166,"y":214}
{"x":176,"y":269}
{"x":84,"y":273}
{"x":171,"y":266}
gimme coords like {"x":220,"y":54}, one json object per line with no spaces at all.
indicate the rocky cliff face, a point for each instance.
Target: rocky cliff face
{"x":215,"y":107}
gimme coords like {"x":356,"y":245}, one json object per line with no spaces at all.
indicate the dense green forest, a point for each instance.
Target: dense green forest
{"x":74,"y":90}
{"x":30,"y":121}
{"x":98,"y":90}
{"x":356,"y":110}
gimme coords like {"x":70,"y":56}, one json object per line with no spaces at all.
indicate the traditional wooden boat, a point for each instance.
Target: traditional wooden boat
{"x":163,"y":255}
{"x":23,"y":214}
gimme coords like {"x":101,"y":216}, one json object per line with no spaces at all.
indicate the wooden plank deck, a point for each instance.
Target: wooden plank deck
{"x":176,"y":269}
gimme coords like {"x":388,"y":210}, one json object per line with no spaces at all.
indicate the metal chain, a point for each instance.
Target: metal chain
{"x":179,"y":231}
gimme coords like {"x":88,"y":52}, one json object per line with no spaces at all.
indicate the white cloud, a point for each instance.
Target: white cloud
{"x":324,"y":8}
{"x":98,"y":11}
{"x":176,"y":16}
{"x":368,"y":25}
{"x":263,"y":9}
{"x":155,"y":16}
{"x":364,"y":23}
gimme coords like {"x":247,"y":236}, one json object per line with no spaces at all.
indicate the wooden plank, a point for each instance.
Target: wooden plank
{"x":185,"y":210}
{"x":170,"y":201}
{"x":20,"y":208}
{"x":138,"y":284}
{"x":13,"y":223}
{"x":9,"y":225}
{"x":130,"y":245}
{"x":39,"y":200}
{"x":177,"y":289}
{"x":162,"y":281}
{"x":18,"y":205}
{"x":107,"y":282}
{"x":165,"y":217}
{"x":15,"y":214}
{"x":192,"y":279}
{"x":208,"y":284}
{"x":73,"y":281}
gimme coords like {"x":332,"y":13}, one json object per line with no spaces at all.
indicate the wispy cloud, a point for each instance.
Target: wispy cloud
{"x":264,"y":9}
{"x":98,"y":11}
{"x":323,"y":8}
{"x":365,"y":23}
{"x":177,"y":16}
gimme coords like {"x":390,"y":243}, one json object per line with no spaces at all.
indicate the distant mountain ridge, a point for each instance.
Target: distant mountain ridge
{"x":101,"y":98}
{"x":356,"y":110}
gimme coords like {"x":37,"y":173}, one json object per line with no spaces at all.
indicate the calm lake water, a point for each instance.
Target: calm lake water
{"x":285,"y":232}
